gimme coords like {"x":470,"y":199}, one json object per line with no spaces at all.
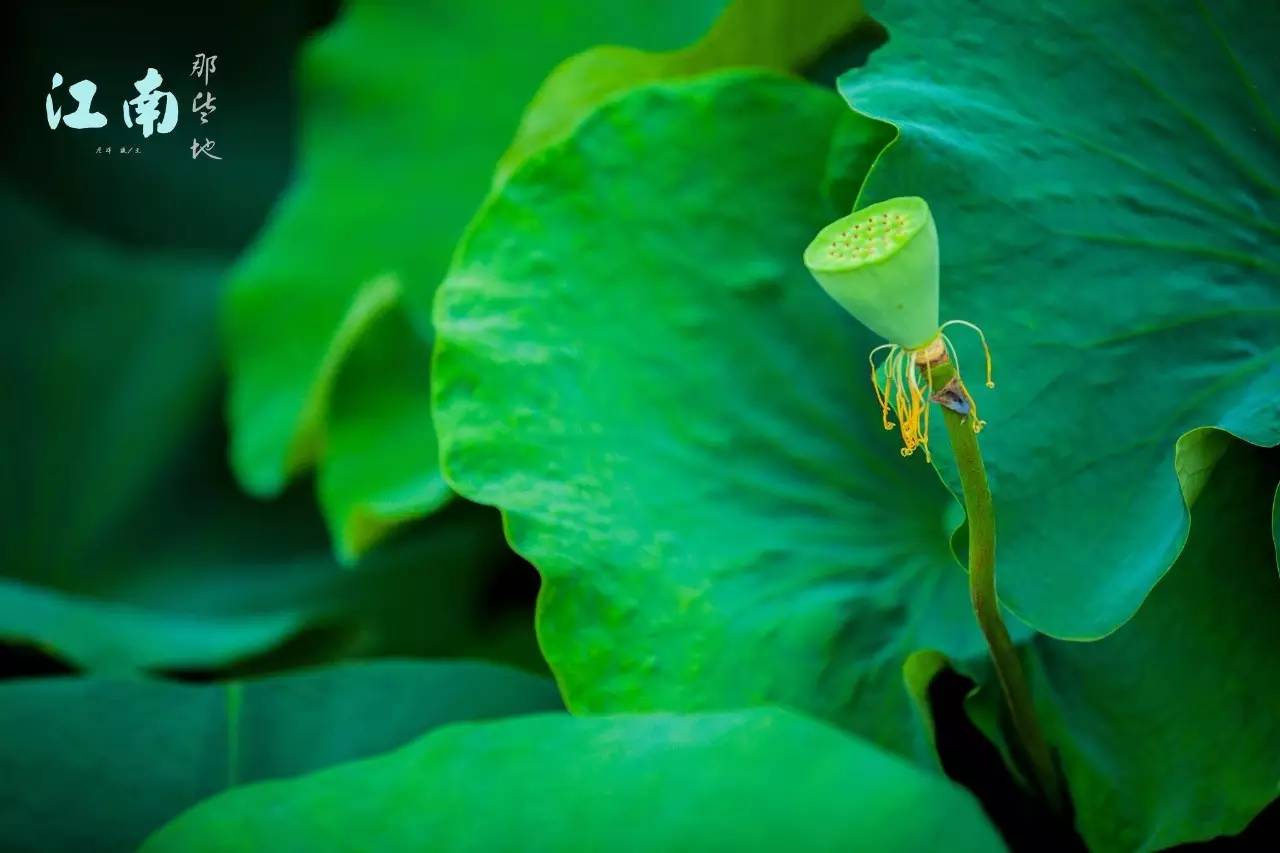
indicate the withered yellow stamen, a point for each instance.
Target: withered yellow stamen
{"x":907,"y":396}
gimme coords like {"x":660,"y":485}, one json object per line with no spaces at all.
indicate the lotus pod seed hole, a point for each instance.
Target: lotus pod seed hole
{"x":870,"y":239}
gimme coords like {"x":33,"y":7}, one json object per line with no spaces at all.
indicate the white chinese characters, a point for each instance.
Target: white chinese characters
{"x":84,"y":117}
{"x":153,"y":110}
{"x":146,"y":107}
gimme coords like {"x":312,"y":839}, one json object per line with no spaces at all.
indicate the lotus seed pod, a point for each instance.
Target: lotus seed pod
{"x":881,"y":264}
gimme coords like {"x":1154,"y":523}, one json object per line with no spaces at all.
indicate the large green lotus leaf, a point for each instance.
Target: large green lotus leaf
{"x":98,"y":764}
{"x":1106,"y":183}
{"x":126,"y":542}
{"x":632,"y":363}
{"x":748,"y":780}
{"x":394,"y":162}
{"x":1167,"y":728}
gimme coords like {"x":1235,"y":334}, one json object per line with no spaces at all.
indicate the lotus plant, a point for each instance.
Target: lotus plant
{"x":881,"y":264}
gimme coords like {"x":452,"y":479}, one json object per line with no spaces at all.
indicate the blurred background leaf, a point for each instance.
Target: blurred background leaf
{"x":748,"y":780}
{"x":98,"y":763}
{"x":127,"y":543}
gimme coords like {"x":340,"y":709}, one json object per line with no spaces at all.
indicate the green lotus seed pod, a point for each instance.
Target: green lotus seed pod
{"x":881,"y":264}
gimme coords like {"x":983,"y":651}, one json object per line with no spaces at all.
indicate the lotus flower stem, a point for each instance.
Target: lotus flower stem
{"x":958,"y":411}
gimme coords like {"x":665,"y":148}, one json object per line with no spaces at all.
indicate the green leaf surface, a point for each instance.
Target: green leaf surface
{"x":632,"y":363}
{"x":746,"y":780}
{"x":126,"y":543}
{"x":98,"y":764}
{"x":1168,"y":728}
{"x":1112,"y":225}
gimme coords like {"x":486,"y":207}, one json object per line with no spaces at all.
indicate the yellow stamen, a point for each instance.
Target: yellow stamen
{"x":908,"y":396}
{"x":914,"y":403}
{"x":900,"y":408}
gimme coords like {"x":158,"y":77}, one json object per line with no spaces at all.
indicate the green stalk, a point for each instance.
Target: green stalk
{"x":982,"y":584}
